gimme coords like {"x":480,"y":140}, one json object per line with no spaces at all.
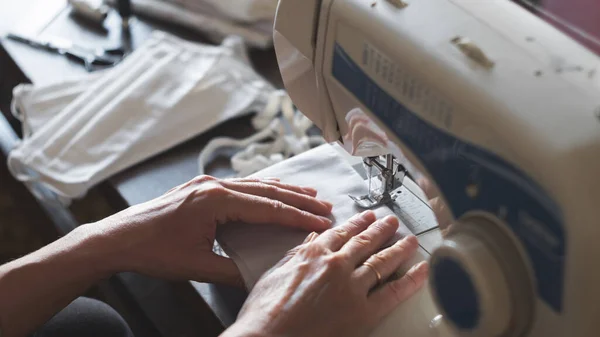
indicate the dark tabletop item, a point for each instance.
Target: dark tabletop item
{"x":124,"y":9}
{"x":91,"y":59}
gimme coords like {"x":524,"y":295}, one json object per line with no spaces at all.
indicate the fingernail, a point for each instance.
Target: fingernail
{"x":310,"y":190}
{"x":327,"y":203}
{"x":272,"y":178}
{"x":420,"y":268}
{"x":310,"y":237}
{"x":409,"y":238}
{"x":326,"y":220}
{"x":366,"y":213}
{"x":391,"y":219}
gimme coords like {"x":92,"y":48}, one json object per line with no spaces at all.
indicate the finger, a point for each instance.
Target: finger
{"x":384,"y":300}
{"x":276,"y":182}
{"x":219,"y":270}
{"x":386,"y":262}
{"x":311,"y":237}
{"x":336,"y":237}
{"x":255,"y":209}
{"x":246,"y":179}
{"x":363,"y":245}
{"x":298,"y":189}
{"x":288,"y":197}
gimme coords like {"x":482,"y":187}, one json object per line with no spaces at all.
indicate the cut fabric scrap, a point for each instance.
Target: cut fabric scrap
{"x":166,"y":92}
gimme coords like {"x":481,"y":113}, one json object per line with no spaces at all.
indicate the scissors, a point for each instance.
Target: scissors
{"x":91,"y":59}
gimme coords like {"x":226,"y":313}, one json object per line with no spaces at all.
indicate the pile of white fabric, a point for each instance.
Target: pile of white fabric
{"x":251,"y":19}
{"x":78,"y":133}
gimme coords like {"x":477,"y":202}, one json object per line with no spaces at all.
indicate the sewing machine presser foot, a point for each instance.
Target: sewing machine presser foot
{"x":391,"y":174}
{"x":369,"y":202}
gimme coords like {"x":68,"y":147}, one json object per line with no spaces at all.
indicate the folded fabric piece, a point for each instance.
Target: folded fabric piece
{"x":207,"y":20}
{"x":164,"y":93}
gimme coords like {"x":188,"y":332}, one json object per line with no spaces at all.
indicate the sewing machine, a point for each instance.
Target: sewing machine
{"x":500,"y":112}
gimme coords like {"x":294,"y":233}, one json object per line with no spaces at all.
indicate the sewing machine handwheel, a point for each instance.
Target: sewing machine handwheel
{"x":481,"y":282}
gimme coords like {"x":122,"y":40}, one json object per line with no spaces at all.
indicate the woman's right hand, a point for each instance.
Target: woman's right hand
{"x":323,"y":288}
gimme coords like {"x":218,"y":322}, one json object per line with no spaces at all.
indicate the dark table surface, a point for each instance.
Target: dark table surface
{"x":157,"y":175}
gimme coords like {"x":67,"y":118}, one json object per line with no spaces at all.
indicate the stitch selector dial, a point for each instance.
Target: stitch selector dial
{"x":481,"y":282}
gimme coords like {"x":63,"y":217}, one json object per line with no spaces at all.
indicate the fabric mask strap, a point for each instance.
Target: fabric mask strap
{"x":257,"y":154}
{"x":223,"y":142}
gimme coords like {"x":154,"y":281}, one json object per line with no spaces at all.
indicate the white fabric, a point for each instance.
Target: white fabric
{"x":166,"y":92}
{"x":36,"y":105}
{"x":272,"y":144}
{"x":208,"y":21}
{"x":256,"y":248}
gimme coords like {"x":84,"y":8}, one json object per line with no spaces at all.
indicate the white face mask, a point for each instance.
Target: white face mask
{"x":166,"y":92}
{"x":34,"y":106}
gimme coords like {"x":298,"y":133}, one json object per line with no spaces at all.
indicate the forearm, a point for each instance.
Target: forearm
{"x":35,"y":287}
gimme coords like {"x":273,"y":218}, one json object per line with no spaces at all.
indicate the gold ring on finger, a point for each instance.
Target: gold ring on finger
{"x":372,"y":267}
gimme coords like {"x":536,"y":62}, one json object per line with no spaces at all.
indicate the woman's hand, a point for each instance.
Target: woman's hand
{"x":170,"y":237}
{"x":173,"y":236}
{"x":323,"y":288}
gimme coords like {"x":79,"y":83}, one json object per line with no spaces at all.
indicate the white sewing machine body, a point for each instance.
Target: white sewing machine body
{"x":497,"y":108}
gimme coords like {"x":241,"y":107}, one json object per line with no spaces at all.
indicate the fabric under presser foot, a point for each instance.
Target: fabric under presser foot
{"x":408,"y":206}
{"x":256,"y":248}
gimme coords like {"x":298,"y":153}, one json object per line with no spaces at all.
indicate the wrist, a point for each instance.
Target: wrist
{"x":96,"y":249}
